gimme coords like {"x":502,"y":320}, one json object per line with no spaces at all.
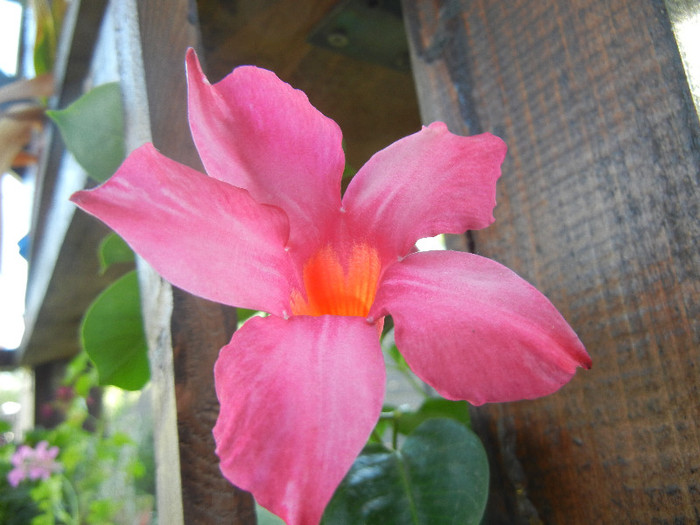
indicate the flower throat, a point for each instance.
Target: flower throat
{"x":332,"y":289}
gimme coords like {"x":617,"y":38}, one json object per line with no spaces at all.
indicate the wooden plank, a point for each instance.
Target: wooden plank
{"x":598,"y":207}
{"x":198,"y":328}
{"x":156,"y":294}
{"x":685,"y":21}
{"x":63,"y":267}
{"x":373,"y":105}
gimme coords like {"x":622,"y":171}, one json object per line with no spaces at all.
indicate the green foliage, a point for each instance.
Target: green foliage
{"x":48,"y":16}
{"x":114,"y":250}
{"x":348,"y":173}
{"x":16,"y":504}
{"x":49,"y":497}
{"x":434,"y":407}
{"x":244,"y":314}
{"x":98,"y":466}
{"x":439,"y":476}
{"x":112,"y":329}
{"x":113,"y":335}
{"x":389,"y":348}
{"x":265,"y":517}
{"x":93,"y":130}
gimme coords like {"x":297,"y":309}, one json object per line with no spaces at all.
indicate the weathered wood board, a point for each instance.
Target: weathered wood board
{"x":598,"y":207}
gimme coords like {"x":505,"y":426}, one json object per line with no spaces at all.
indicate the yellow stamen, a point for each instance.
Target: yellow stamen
{"x":334,"y":290}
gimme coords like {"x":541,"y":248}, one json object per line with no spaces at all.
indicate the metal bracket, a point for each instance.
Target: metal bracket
{"x":368,"y":30}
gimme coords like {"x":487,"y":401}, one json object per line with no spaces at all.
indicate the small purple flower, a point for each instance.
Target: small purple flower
{"x":33,"y":463}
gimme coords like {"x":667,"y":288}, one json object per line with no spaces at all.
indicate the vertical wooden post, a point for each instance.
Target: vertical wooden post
{"x":185,"y":332}
{"x":598,"y":207}
{"x":156,"y":294}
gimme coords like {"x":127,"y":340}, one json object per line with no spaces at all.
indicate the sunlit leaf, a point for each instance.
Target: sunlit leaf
{"x":93,"y":130}
{"x":434,"y":407}
{"x":48,"y":18}
{"x":440,"y":476}
{"x":113,"y":335}
{"x":244,"y":314}
{"x":83,"y":384}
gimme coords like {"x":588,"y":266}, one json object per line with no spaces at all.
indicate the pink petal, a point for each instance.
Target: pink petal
{"x":428,"y":183}
{"x":21,"y":455}
{"x":202,"y":235}
{"x":256,"y":132}
{"x":15,"y":476}
{"x":474,"y":330}
{"x":299,"y":398}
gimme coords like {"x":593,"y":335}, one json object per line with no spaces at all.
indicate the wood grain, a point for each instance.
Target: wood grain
{"x":598,"y":207}
{"x":63,"y":267}
{"x":373,"y":105}
{"x":198,"y":328}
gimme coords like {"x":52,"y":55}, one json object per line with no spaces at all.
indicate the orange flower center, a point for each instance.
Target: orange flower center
{"x":332,"y":289}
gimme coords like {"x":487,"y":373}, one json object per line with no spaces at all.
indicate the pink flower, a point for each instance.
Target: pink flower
{"x":267,"y":229}
{"x":33,"y":463}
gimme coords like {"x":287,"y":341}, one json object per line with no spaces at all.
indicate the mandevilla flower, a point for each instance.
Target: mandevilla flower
{"x":33,"y":463}
{"x":301,"y":389}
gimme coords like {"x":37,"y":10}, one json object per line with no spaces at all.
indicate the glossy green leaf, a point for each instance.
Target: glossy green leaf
{"x":93,"y":130}
{"x":112,"y":250}
{"x":434,"y":407}
{"x":440,"y":476}
{"x":113,"y":335}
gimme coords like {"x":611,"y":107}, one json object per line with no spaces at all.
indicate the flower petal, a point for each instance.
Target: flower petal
{"x":202,"y":235}
{"x":15,"y":476}
{"x":256,"y":132}
{"x":299,"y":398}
{"x":474,"y":330}
{"x":428,"y":183}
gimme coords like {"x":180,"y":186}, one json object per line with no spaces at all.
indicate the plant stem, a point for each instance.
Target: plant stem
{"x":393,"y":416}
{"x":395,"y":430}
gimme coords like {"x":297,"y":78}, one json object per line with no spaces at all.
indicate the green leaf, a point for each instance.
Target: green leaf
{"x":440,"y":476}
{"x":83,"y":384}
{"x":76,"y":367}
{"x":113,"y":336}
{"x":348,"y":173}
{"x":93,"y":130}
{"x":48,"y":18}
{"x":244,"y":314}
{"x":389,"y":347}
{"x":434,"y":407}
{"x":113,"y":249}
{"x":383,"y":426}
{"x":265,"y":517}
